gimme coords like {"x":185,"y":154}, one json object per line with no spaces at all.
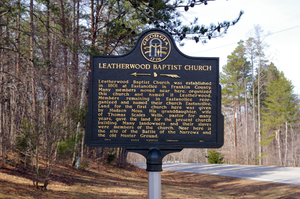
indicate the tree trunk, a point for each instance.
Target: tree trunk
{"x":293,"y":152}
{"x":1,"y":132}
{"x":18,"y":40}
{"x":48,"y":57}
{"x":1,"y":111}
{"x":32,"y":59}
{"x":286,"y":145}
{"x":78,"y":124}
{"x":235,"y":136}
{"x":246,"y":119}
{"x":65,"y":53}
{"x":122,"y":156}
{"x":258,"y":114}
{"x":277,"y":136}
{"x":253,"y":107}
{"x":75,"y":41}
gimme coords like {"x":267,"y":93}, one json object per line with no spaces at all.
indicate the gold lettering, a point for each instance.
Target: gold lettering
{"x":128,"y":123}
{"x":183,"y":128}
{"x":158,"y":107}
{"x":156,"y":94}
{"x":137,"y":115}
{"x":171,"y":132}
{"x":127,"y":136}
{"x":120,"y":119}
{"x":156,"y":103}
{"x":148,"y":136}
{"x":103,"y":127}
{"x":133,"y":131}
{"x":166,"y":66}
{"x":176,"y":115}
{"x":178,"y":83}
{"x":176,"y":107}
{"x":189,"y":132}
{"x":165,"y":128}
{"x":157,"y":115}
{"x":117,"y":110}
{"x":149,"y":131}
{"x":138,"y":94}
{"x":204,"y":124}
{"x":190,"y":107}
{"x":180,"y":87}
{"x":136,"y":111}
{"x":125,"y":66}
{"x":197,"y":67}
{"x":161,"y":82}
{"x":147,"y":90}
{"x":164,"y":91}
{"x":187,"y":124}
{"x":140,"y":82}
{"x":188,"y":113}
{"x":198,"y":128}
{"x":145,"y":119}
{"x":179,"y":91}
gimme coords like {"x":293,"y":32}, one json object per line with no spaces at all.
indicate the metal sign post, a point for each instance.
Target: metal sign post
{"x":154,"y":185}
{"x":154,"y":158}
{"x":154,"y":167}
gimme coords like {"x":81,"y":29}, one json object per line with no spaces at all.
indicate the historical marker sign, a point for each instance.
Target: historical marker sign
{"x":155,"y":96}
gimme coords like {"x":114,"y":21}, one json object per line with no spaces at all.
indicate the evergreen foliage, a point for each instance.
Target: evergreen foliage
{"x":164,"y":14}
{"x":215,"y":157}
{"x":280,"y":104}
{"x":274,"y":106}
{"x":234,"y":73}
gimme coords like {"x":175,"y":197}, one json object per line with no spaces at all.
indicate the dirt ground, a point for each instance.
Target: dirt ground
{"x":100,"y":180}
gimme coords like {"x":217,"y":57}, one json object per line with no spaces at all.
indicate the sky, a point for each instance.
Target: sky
{"x":280,"y":21}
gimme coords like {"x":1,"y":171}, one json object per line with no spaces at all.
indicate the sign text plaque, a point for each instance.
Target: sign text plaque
{"x":154,"y":96}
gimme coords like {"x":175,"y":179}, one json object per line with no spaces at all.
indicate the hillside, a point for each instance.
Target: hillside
{"x":99,"y":180}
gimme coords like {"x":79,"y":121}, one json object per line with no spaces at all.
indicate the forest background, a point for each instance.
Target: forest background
{"x":45,"y":49}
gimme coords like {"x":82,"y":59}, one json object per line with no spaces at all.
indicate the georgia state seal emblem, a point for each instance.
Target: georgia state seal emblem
{"x":155,"y":47}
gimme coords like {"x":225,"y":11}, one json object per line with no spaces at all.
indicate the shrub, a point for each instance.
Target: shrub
{"x":215,"y":157}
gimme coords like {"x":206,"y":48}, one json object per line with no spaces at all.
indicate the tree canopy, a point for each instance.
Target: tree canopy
{"x":164,"y":14}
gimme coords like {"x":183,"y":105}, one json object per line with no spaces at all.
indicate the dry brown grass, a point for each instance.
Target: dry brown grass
{"x":106,"y":181}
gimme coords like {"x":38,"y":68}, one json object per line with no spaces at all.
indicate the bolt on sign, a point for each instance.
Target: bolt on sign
{"x":154,"y":96}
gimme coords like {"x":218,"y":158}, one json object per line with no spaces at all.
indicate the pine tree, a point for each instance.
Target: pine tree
{"x":233,"y":76}
{"x":280,"y":108}
{"x":215,"y":157}
{"x":234,"y":80}
{"x":164,"y":14}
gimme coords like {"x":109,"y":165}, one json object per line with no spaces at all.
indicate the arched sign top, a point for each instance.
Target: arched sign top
{"x":155,"y":47}
{"x":154,"y":96}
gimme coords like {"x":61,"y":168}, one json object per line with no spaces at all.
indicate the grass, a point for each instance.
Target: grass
{"x":106,"y":181}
